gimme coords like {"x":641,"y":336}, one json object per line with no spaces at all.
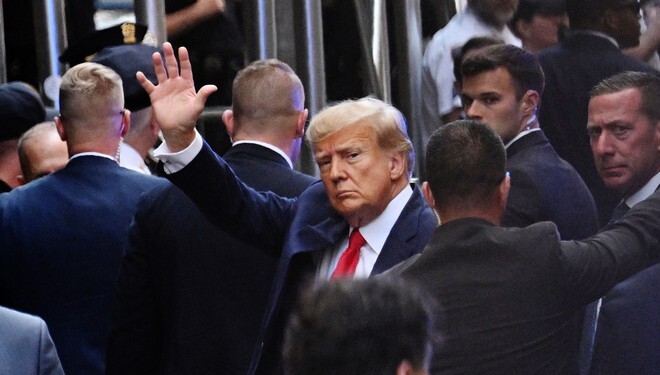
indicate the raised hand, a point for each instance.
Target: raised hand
{"x":175,"y":103}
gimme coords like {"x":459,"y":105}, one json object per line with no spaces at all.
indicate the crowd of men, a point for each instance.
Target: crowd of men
{"x":507,"y":257}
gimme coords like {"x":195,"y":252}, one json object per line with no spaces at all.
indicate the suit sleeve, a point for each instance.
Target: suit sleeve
{"x":524,"y":205}
{"x":259,"y":218}
{"x":49,"y":362}
{"x":618,"y":251}
{"x":134,"y":342}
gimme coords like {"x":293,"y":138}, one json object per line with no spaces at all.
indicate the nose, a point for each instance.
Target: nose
{"x":472,"y":111}
{"x":336,"y":170}
{"x":601,"y":145}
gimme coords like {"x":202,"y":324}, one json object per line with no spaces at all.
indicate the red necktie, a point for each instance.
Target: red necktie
{"x":349,"y":259}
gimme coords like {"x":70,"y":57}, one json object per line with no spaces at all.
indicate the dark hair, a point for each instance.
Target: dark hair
{"x":522,"y":65}
{"x":459,"y":53}
{"x":587,"y":13}
{"x":365,"y":327}
{"x":465,"y":161}
{"x":648,"y":85}
{"x":527,"y":9}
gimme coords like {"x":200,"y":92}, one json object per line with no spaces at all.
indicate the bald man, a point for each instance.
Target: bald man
{"x":41,"y":152}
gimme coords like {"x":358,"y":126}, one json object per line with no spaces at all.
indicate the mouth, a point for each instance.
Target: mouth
{"x":342,"y":194}
{"x":612,"y":171}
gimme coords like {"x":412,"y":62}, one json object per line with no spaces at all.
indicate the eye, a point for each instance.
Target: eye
{"x":619,"y":130}
{"x":490,"y":100}
{"x":323,"y":163}
{"x":466,"y":101}
{"x":594,"y":132}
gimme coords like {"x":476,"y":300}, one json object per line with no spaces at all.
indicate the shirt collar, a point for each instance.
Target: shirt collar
{"x":596,"y":33}
{"x":131,"y":159}
{"x":520,"y":135}
{"x":268,"y":146}
{"x":91,"y":153}
{"x":377,"y":231}
{"x":645,"y":191}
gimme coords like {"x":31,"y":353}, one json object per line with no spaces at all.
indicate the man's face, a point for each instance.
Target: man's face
{"x":541,"y":32}
{"x":356,"y":173}
{"x":46,"y":155}
{"x":625,"y":143}
{"x":495,"y":12}
{"x":490,"y":97}
{"x":625,"y":26}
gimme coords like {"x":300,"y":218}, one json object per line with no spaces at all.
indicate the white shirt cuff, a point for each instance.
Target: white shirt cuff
{"x":176,"y":161}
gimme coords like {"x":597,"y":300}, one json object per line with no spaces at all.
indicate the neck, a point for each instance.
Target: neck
{"x":109,"y":148}
{"x":451,"y":213}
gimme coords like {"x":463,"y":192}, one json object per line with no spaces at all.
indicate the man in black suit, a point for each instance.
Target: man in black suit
{"x":507,"y":296}
{"x":361,"y":220}
{"x":590,"y":53}
{"x":206,"y":288}
{"x":624,"y":128}
{"x":502,"y":86}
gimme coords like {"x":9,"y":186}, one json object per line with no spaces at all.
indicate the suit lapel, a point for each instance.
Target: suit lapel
{"x":323,"y":235}
{"x":399,"y":245}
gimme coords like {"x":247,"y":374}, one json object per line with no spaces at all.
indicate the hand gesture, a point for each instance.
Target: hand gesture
{"x":176,"y":105}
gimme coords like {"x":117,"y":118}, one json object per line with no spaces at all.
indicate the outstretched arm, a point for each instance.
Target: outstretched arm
{"x":175,"y":103}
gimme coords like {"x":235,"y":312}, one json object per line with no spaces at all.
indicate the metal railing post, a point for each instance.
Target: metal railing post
{"x":50,"y":32}
{"x":152,"y":14}
{"x":308,"y":30}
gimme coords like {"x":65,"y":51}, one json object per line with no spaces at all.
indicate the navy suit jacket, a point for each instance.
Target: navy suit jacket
{"x":572,"y":69}
{"x":190,"y":296}
{"x":546,"y":188}
{"x":62,"y":238}
{"x":297,"y":231}
{"x":628,"y":335}
{"x":265,"y":170}
{"x":506,"y":297}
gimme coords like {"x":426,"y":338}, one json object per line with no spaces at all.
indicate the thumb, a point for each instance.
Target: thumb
{"x":204,"y":92}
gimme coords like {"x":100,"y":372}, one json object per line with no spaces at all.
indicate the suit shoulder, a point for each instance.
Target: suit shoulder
{"x":15,"y":321}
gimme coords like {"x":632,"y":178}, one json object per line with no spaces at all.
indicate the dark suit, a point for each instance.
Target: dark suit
{"x":296,"y":231}
{"x":506,"y":297}
{"x":546,"y":188}
{"x":191,"y":297}
{"x":264,"y":170}
{"x":628,"y":334}
{"x":572,"y":69}
{"x":62,"y":238}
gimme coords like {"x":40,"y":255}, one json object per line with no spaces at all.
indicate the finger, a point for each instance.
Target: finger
{"x":146,"y":84}
{"x":186,"y":67}
{"x":204,"y":93}
{"x":159,"y":69}
{"x":170,"y":61}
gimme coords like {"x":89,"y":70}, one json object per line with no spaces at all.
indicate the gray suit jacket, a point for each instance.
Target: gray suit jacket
{"x":25,"y":345}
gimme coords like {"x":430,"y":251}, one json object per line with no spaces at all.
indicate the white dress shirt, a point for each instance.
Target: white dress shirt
{"x":375,"y":233}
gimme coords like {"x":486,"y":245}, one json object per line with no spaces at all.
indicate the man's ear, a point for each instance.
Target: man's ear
{"x":228,"y":120}
{"x":60,"y":128}
{"x":406,"y":368}
{"x":503,"y":193}
{"x":530,"y":103}
{"x":428,"y":195}
{"x":125,"y":122}
{"x":300,"y":125}
{"x":397,"y":165}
